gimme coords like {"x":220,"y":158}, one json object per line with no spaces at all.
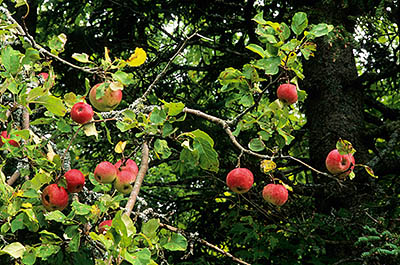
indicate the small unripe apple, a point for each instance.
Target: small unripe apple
{"x":7,"y":136}
{"x":81,"y":112}
{"x":123,"y":181}
{"x":129,"y":165}
{"x":337,"y":163}
{"x":104,"y":226}
{"x":109,"y":101}
{"x":54,"y":197}
{"x":240,"y":180}
{"x":287,"y":93}
{"x":276,"y":194}
{"x":75,"y":180}
{"x":105,"y":172}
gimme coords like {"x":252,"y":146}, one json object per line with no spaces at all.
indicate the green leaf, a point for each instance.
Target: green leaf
{"x":52,"y":104}
{"x":63,"y":126}
{"x":142,"y":257}
{"x":10,"y":60}
{"x":81,"y":57}
{"x":320,"y":30}
{"x":299,"y":22}
{"x":48,"y":237}
{"x":288,"y":138}
{"x":161,"y":147}
{"x":230,"y":75}
{"x":150,"y":227}
{"x":285,"y":31}
{"x":17,"y":223}
{"x":80,"y":208}
{"x":208,"y":157}
{"x":259,"y":18}
{"x":270,"y":65}
{"x":174,"y":108}
{"x":16,"y":250}
{"x":75,"y":243}
{"x":47,"y":250}
{"x":200,"y":134}
{"x":29,"y":257}
{"x":158,"y":116}
{"x":257,"y":49}
{"x":176,"y":242}
{"x":55,"y":216}
{"x":256,"y":145}
{"x":31,"y":56}
{"x":123,"y":77}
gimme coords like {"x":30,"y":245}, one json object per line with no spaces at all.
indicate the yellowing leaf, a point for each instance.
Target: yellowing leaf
{"x":90,"y":129}
{"x":119,"y":148}
{"x":116,"y":86}
{"x":267,"y":165}
{"x":106,"y":55}
{"x":289,"y":188}
{"x":26,"y":205}
{"x":138,"y":58}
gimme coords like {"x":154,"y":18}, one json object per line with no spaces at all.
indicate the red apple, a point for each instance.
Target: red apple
{"x":75,"y":180}
{"x":287,"y":93}
{"x":337,"y":163}
{"x":123,"y":181}
{"x":54,"y":197}
{"x":240,"y":180}
{"x":109,"y":101}
{"x":81,"y":112}
{"x":105,"y":172}
{"x":276,"y":194}
{"x":44,"y":76}
{"x":104,"y":226}
{"x":7,"y":136}
{"x":129,"y":165}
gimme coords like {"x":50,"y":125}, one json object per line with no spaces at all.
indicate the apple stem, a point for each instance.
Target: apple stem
{"x":144,"y":165}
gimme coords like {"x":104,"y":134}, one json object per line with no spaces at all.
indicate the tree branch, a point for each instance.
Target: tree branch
{"x":144,"y":165}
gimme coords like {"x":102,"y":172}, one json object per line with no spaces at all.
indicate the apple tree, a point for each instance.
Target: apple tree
{"x":119,"y":166}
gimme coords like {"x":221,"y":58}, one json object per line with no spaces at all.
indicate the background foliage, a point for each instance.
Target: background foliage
{"x":225,"y":66}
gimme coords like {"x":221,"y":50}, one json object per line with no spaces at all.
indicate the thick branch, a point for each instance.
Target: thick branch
{"x":144,"y":165}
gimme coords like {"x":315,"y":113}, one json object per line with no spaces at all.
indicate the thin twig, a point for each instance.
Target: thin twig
{"x":224,"y":124}
{"x":144,"y":165}
{"x":204,"y":242}
{"x":33,"y":43}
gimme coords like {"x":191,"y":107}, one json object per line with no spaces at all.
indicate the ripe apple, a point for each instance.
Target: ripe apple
{"x":276,"y":194}
{"x":7,"y":136}
{"x":123,"y":181}
{"x":129,"y":165}
{"x":337,"y":163}
{"x":81,"y":112}
{"x":54,"y":197}
{"x":75,"y":180}
{"x":240,"y":180}
{"x":109,"y":101}
{"x":104,"y":226}
{"x":44,"y":76}
{"x":105,"y":172}
{"x":287,"y":93}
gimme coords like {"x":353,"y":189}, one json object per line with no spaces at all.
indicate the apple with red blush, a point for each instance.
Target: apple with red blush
{"x":54,"y":197}
{"x":339,"y":164}
{"x":108,"y":101}
{"x":82,"y":112}
{"x":287,"y":93}
{"x":75,"y":180}
{"x":240,"y":180}
{"x":104,"y":226}
{"x":276,"y":194}
{"x":105,"y":172}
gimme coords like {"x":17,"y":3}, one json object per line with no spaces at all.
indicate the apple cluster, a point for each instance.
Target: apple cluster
{"x":55,"y":197}
{"x":122,"y":174}
{"x":82,"y":112}
{"x":240,"y":180}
